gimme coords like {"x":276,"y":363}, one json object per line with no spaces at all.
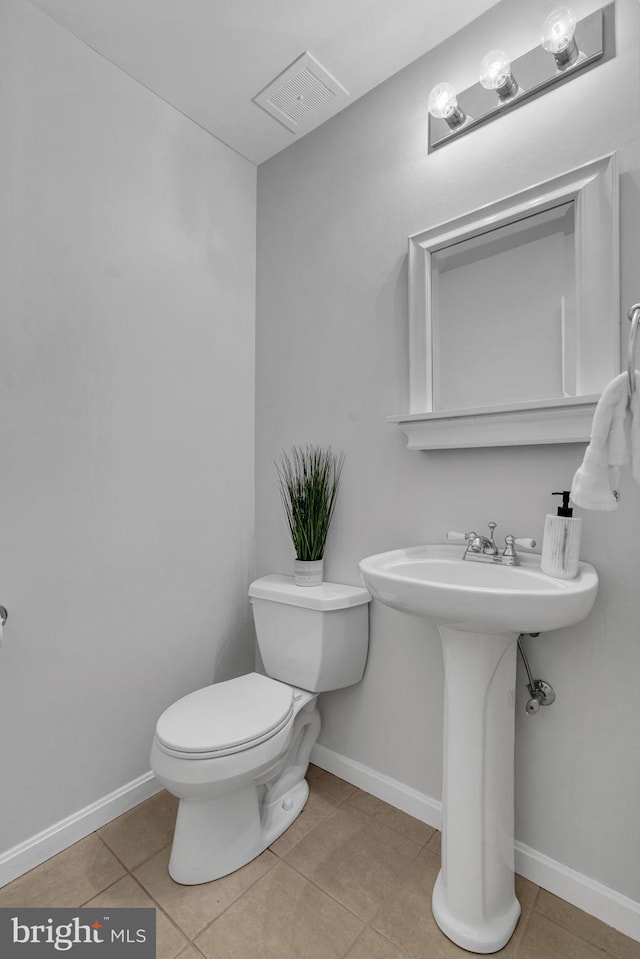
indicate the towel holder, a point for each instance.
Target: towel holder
{"x":634,"y":319}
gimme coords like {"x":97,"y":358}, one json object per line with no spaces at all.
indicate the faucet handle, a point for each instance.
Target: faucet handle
{"x":509,"y":556}
{"x":458,"y":537}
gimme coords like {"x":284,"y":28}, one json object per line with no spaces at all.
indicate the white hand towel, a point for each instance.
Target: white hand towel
{"x":609,"y":447}
{"x":619,"y":443}
{"x":635,"y":430}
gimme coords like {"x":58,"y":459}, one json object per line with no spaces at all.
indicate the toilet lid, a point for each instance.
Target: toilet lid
{"x":227,"y":716}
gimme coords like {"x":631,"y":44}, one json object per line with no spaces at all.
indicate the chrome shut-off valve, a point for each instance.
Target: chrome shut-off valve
{"x":542,"y":694}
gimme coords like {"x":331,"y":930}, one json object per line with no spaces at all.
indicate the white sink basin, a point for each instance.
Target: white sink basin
{"x":435,"y":581}
{"x":479,"y":609}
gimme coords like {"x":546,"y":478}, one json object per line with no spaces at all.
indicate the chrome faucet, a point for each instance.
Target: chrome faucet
{"x":480,"y":544}
{"x":483,"y":549}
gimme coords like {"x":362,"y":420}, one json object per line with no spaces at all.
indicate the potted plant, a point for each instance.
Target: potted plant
{"x":309,"y":480}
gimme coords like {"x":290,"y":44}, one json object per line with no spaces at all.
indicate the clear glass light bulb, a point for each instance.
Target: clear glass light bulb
{"x":442,"y":101}
{"x":495,"y":70}
{"x":558,"y":30}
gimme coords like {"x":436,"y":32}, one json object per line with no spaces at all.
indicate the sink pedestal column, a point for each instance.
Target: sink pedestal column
{"x":473,"y":899}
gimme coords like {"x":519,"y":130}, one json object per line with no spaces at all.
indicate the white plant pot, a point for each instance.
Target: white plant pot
{"x":308,"y":572}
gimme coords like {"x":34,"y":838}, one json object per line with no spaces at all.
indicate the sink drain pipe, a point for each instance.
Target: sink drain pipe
{"x":542,"y":694}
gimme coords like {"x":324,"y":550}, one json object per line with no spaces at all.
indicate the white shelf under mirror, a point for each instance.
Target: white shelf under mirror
{"x":514,"y":316}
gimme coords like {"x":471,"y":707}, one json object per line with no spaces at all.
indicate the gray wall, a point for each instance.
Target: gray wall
{"x":127,"y":266}
{"x":334,"y":214}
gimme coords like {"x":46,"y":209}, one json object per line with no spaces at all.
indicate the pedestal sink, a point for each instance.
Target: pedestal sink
{"x":480,"y":609}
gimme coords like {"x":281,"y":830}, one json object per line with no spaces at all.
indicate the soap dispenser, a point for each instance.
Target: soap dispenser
{"x":561,"y":541}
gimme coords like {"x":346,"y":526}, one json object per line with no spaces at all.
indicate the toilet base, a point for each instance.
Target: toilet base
{"x":216,"y":837}
{"x":278,"y":815}
{"x":217,"y":834}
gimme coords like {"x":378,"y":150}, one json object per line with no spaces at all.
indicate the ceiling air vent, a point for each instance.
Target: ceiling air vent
{"x":299,"y":93}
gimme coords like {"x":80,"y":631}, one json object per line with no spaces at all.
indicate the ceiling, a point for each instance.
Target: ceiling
{"x":210,"y":58}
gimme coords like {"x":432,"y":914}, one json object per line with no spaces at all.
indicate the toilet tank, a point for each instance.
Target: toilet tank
{"x":313,"y":637}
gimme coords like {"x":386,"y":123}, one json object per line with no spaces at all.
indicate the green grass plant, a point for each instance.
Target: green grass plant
{"x":309,"y":479}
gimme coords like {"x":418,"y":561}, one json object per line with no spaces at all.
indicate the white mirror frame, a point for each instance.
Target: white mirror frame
{"x":594,"y":189}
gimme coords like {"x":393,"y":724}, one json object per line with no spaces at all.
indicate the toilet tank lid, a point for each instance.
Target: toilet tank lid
{"x":327,"y":596}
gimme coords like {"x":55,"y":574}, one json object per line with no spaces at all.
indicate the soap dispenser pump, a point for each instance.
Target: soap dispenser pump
{"x":561,"y":541}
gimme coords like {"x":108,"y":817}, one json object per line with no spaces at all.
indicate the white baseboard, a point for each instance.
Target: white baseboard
{"x":23,"y":857}
{"x":403,"y":797}
{"x":598,"y":900}
{"x":587,"y":894}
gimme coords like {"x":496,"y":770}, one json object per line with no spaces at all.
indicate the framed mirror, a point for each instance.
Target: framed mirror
{"x":514,"y":316}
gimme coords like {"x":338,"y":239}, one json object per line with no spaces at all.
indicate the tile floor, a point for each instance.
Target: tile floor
{"x":350,"y":879}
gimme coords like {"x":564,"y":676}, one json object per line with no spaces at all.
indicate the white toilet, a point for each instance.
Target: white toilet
{"x":236,"y":753}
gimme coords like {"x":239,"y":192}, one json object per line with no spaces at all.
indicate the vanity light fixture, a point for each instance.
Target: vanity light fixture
{"x":496,"y":74}
{"x":443,"y":105}
{"x":558,"y":37}
{"x":573,"y":45}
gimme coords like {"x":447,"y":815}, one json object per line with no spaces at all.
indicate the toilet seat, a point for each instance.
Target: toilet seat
{"x":225,"y":718}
